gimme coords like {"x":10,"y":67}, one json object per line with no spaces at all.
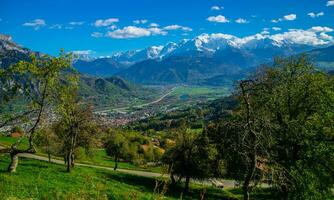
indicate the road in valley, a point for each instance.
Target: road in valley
{"x":138,"y":106}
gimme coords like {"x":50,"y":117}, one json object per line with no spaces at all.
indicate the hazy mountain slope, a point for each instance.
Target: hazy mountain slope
{"x":111,"y":91}
{"x":103,"y":67}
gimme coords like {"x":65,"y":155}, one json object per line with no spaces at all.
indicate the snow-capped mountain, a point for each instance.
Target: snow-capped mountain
{"x":215,"y":55}
{"x":131,"y":57}
{"x":211,"y":55}
{"x":209,"y":44}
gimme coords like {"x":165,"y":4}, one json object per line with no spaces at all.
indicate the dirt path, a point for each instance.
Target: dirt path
{"x":226,"y":183}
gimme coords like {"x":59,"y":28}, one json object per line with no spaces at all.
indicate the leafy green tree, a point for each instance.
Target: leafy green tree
{"x":192,"y":157}
{"x":46,"y":140}
{"x":28,"y":90}
{"x":293,"y":98}
{"x":284,"y":123}
{"x":75,"y":128}
{"x":117,"y":146}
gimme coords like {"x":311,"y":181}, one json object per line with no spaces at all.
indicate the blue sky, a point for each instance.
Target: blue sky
{"x":106,"y":26}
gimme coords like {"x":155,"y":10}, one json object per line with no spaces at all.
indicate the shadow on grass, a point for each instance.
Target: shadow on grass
{"x":259,"y":193}
{"x":176,"y":191}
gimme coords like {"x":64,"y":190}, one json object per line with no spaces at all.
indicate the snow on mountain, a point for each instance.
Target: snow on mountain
{"x":130,"y":57}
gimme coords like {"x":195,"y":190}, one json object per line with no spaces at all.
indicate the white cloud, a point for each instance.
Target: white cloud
{"x":218,"y":19}
{"x":314,"y":15}
{"x":157,"y":31}
{"x":290,"y":17}
{"x":105,"y":22}
{"x":140,"y":21}
{"x":153,"y":25}
{"x":324,"y":29}
{"x":326,"y":36}
{"x":217,"y":8}
{"x":314,"y":36}
{"x":177,"y":27}
{"x":79,"y":23}
{"x":241,"y":21}
{"x":56,"y":26}
{"x":265,"y":32}
{"x":83,"y":52}
{"x":330,"y":3}
{"x":134,"y":32}
{"x":112,"y":27}
{"x":97,"y":34}
{"x":276,"y":28}
{"x":36,"y":23}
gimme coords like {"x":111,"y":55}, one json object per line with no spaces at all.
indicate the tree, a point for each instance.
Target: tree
{"x":278,"y":125}
{"x":192,"y":157}
{"x":293,"y":98}
{"x":28,"y":88}
{"x":47,"y":141}
{"x":75,"y":128}
{"x":117,"y":146}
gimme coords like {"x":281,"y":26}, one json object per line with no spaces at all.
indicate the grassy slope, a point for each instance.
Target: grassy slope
{"x":41,"y":180}
{"x":99,"y":156}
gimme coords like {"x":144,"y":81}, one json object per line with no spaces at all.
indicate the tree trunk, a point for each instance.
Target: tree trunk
{"x":172,"y":178}
{"x":116,"y":162}
{"x":69,"y":161}
{"x":250,"y":174}
{"x":49,"y":154}
{"x":72,"y":160}
{"x":186,"y":188}
{"x":14,"y":162}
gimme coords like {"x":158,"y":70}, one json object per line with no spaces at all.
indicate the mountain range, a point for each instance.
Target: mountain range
{"x":211,"y":59}
{"x":215,"y":59}
{"x":99,"y":91}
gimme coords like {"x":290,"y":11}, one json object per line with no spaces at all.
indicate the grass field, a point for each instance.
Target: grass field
{"x":41,"y":180}
{"x":197,"y":91}
{"x":98,"y":157}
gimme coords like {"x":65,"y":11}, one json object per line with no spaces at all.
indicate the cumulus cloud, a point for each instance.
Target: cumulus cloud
{"x":177,"y":27}
{"x":217,"y":8}
{"x":324,"y":29}
{"x":134,"y":32}
{"x":97,"y":34}
{"x":218,"y":19}
{"x":290,"y":17}
{"x":314,"y":36}
{"x":153,"y":25}
{"x":330,"y":3}
{"x":241,"y":21}
{"x":314,"y":15}
{"x":276,"y":28}
{"x":265,"y":32}
{"x":140,"y":21}
{"x":112,"y":27}
{"x":79,"y":23}
{"x":105,"y":22}
{"x":157,"y":31}
{"x":36,"y":23}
